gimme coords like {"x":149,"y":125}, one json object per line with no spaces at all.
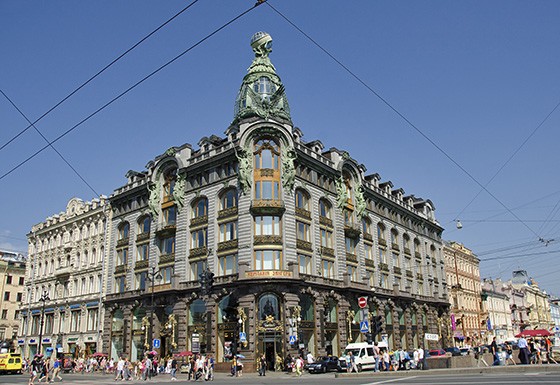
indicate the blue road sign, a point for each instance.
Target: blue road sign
{"x":364,"y":327}
{"x":292,"y":340}
{"x":157,"y":343}
{"x":243,"y":337}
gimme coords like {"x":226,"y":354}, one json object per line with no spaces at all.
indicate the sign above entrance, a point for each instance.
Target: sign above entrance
{"x":431,"y":337}
{"x":364,"y":327}
{"x":362,"y":302}
{"x":269,"y":274}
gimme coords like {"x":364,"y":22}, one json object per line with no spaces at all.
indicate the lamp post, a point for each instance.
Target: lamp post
{"x":44,"y":298}
{"x":153,"y":275}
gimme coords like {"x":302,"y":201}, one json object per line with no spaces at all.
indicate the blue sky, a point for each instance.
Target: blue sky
{"x":476,"y":77}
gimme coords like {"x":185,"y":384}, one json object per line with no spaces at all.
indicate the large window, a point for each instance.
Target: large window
{"x":144,"y":225}
{"x":268,"y":259}
{"x":166,"y":274}
{"x":120,"y":284}
{"x":228,"y":231}
{"x":267,"y":190}
{"x":267,"y":154}
{"x":352,"y":272}
{"x":124,"y":230}
{"x":368,"y":251}
{"x":304,"y":264}
{"x":167,"y":245}
{"x":75,"y":320}
{"x":142,"y":252}
{"x":325,"y":209}
{"x":122,"y":256}
{"x":169,"y":215}
{"x":269,"y":307}
{"x":302,"y":231}
{"x":302,"y":199}
{"x":199,"y":238}
{"x":350,"y":245}
{"x":200,"y":209}
{"x":326,"y":238}
{"x":228,"y":199}
{"x":327,"y":268}
{"x":227,"y":264}
{"x":92,"y":319}
{"x":141,"y":280}
{"x":267,"y":225}
{"x":197,"y":268}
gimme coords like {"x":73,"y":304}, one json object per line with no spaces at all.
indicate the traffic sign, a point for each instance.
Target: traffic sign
{"x":292,"y":340}
{"x":362,"y":302}
{"x":243,"y":337}
{"x":364,"y":327}
{"x":157,"y":343}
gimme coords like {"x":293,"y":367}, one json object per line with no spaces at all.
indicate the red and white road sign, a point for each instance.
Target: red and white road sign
{"x":362,"y":302}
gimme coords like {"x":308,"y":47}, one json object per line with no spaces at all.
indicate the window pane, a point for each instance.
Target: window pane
{"x":266,"y":159}
{"x":266,"y":190}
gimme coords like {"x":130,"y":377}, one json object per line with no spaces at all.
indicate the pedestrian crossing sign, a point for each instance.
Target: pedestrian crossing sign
{"x":243,"y":337}
{"x":292,"y":340}
{"x":364,"y":327}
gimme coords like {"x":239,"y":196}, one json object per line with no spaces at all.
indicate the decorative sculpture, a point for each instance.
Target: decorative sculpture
{"x":179,"y":191}
{"x":245,"y":158}
{"x":359,"y":200}
{"x":154,"y":199}
{"x":288,"y":167}
{"x":341,"y":192}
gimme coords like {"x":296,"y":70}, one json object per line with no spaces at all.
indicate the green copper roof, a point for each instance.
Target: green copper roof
{"x":262,"y":92}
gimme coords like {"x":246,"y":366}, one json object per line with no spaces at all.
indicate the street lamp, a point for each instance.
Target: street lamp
{"x":153,"y":275}
{"x":44,"y":298}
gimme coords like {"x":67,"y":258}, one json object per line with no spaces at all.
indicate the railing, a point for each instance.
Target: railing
{"x":382,"y":242}
{"x":142,"y":237}
{"x":397,"y":270}
{"x":325,"y":221}
{"x":141,"y":264}
{"x":166,"y":258}
{"x":267,"y":240}
{"x":226,"y":213}
{"x":122,"y":242}
{"x":303,"y":213}
{"x":369,"y":262}
{"x":198,"y":252}
{"x":327,"y":251}
{"x":227,"y":245}
{"x":351,"y":258}
{"x":368,"y":237}
{"x":383,"y":266}
{"x":199,"y":221}
{"x":120,"y":269}
{"x":395,"y":246}
{"x":304,"y":245}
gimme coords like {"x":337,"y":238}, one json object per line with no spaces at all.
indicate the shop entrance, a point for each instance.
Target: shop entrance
{"x":270,"y":344}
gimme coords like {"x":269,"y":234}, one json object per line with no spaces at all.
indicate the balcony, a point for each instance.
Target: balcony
{"x":227,"y":213}
{"x":395,"y":246}
{"x":303,"y":213}
{"x":382,"y":242}
{"x":383,"y":266}
{"x":267,"y":240}
{"x":303,"y":245}
{"x":63,"y":273}
{"x":166,"y":258}
{"x":419,"y":276}
{"x":407,"y":251}
{"x":120,"y":269}
{"x":368,"y":237}
{"x":198,"y":252}
{"x":199,"y":221}
{"x":409,"y":273}
{"x":352,"y":230}
{"x":397,"y":270}
{"x":227,"y":245}
{"x":351,"y":258}
{"x":165,"y":230}
{"x":142,"y":237}
{"x":417,"y":255}
{"x":325,"y":221}
{"x":122,"y":242}
{"x":267,"y":207}
{"x":143,"y":264}
{"x":327,"y":251}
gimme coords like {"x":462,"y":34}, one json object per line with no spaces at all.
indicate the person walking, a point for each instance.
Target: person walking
{"x":386,"y":360}
{"x":56,"y":370}
{"x":262,"y":368}
{"x":299,"y":366}
{"x":35,"y":369}
{"x":353,"y":365}
{"x":494,"y":351}
{"x":173,"y":369}
{"x":420,"y":358}
{"x":376,"y":356}
{"x":211,"y":362}
{"x":120,"y":368}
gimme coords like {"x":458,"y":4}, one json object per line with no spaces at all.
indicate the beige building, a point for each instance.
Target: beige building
{"x":537,"y":305}
{"x":63,"y":301}
{"x":463,"y":279}
{"x":496,"y":305}
{"x":12,"y":273}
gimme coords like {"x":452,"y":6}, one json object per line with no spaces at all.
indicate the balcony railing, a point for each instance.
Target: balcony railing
{"x":369,"y":263}
{"x":165,"y":229}
{"x":267,"y":240}
{"x":352,"y":230}
{"x":166,"y":258}
{"x":120,"y":269}
{"x":397,"y":270}
{"x":141,"y":264}
{"x":409,"y":274}
{"x":303,"y":213}
{"x":383,"y":266}
{"x":122,"y":242}
{"x":395,"y":246}
{"x":407,"y":251}
{"x":227,"y":213}
{"x":327,"y":251}
{"x":228,"y":245}
{"x":304,"y":245}
{"x":142,"y":237}
{"x":199,"y":221}
{"x":351,"y":258}
{"x":368,"y":237}
{"x":382,"y":242}
{"x":267,"y":206}
{"x":198,"y":252}
{"x":325,"y":221}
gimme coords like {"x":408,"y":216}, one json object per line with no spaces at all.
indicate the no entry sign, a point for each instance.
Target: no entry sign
{"x":362,"y":302}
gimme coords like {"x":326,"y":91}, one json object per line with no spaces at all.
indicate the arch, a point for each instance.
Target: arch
{"x":366,"y":225}
{"x":325,"y":208}
{"x":380,"y":231}
{"x":200,"y":207}
{"x":124,"y":230}
{"x":144,"y":224}
{"x":269,"y":306}
{"x":302,"y":199}
{"x":228,"y":198}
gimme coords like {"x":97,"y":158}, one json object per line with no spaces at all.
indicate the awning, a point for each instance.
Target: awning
{"x":534,"y":333}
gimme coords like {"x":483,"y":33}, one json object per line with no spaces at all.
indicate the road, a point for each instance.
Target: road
{"x":456,"y":377}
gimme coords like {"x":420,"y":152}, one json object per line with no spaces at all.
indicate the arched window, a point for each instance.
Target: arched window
{"x":302,"y":199}
{"x":197,"y":312}
{"x":200,"y":208}
{"x":144,"y":224}
{"x":118,"y":321}
{"x":307,"y":307}
{"x":381,"y":233}
{"x":269,"y":306}
{"x":169,"y":178}
{"x":325,"y":209}
{"x":394,"y":237}
{"x":264,"y":87}
{"x":366,"y":225}
{"x":124,"y":230}
{"x":267,"y":154}
{"x":228,"y":199}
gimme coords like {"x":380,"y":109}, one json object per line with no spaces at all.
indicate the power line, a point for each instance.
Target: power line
{"x":97,"y":74}
{"x":129,"y":89}
{"x":518,"y":256}
{"x":394,"y":109}
{"x":49,"y":144}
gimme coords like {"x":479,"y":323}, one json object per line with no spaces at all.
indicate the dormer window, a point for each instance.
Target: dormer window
{"x":264,"y":87}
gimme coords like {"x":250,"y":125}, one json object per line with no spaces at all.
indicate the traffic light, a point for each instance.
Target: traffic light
{"x":377,"y":326}
{"x":206,"y":281}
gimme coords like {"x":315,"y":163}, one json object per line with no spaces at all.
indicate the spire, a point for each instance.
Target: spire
{"x":262,"y":92}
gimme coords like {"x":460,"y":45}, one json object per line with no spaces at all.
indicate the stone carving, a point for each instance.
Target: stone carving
{"x":179,"y":191}
{"x":245,"y":158}
{"x":359,"y":200}
{"x":288,"y":167}
{"x":341,"y":192}
{"x":154,"y":200}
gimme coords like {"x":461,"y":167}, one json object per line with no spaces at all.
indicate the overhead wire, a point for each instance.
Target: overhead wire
{"x":130,"y":89}
{"x":401,"y":115}
{"x":97,"y":74}
{"x":50,"y":144}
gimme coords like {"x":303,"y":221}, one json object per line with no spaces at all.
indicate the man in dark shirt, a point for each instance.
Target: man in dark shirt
{"x":494,"y":351}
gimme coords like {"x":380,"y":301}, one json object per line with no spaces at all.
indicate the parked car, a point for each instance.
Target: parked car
{"x":436,"y":352}
{"x":454,"y":351}
{"x":465,"y":351}
{"x":325,"y":364}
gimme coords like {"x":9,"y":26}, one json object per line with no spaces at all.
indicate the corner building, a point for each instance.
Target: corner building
{"x":293,"y":233}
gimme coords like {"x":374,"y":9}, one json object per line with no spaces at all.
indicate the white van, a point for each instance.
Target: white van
{"x":363,"y":353}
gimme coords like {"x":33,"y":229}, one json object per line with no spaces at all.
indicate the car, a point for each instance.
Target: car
{"x":454,"y":351}
{"x":465,"y":351}
{"x":10,"y":363}
{"x":436,"y":352}
{"x":325,"y":364}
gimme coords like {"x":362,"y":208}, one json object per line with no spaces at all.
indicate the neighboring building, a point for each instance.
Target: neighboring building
{"x":66,"y":254}
{"x":462,"y":269}
{"x":519,"y":308}
{"x":12,"y":278}
{"x":538,"y":307}
{"x":293,"y":234}
{"x":555,"y":317}
{"x":496,"y":303}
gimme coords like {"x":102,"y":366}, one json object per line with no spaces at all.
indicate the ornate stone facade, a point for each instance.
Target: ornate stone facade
{"x":66,"y":262}
{"x":290,"y":252}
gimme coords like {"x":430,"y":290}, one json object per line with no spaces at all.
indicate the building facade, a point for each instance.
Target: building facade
{"x":496,"y":304}
{"x":261,"y":243}
{"x":538,"y":306}
{"x":462,"y":269}
{"x":12,"y":278}
{"x":63,"y":298}
{"x":555,"y":317}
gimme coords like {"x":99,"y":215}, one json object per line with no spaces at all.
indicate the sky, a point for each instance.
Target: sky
{"x":476,"y":81}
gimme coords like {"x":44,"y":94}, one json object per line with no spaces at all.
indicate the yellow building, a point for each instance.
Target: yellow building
{"x":12,"y":273}
{"x":463,"y":280}
{"x":538,"y":307}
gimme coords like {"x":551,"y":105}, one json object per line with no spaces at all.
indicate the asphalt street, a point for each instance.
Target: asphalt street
{"x":456,"y":377}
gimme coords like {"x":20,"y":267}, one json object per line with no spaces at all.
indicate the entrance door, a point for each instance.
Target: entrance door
{"x":270,"y":344}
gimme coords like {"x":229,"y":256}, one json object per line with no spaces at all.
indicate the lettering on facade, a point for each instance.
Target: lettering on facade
{"x":269,"y":273}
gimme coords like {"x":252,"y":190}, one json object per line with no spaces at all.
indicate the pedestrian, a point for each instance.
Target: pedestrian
{"x":44,"y":374}
{"x":147,"y":368}
{"x":173,"y":369}
{"x":415,"y":359}
{"x":211,"y":363}
{"x":35,"y":369}
{"x":262,"y":367}
{"x":310,"y":358}
{"x":353,"y":365}
{"x":494,"y":351}
{"x":299,"y":366}
{"x":120,"y":368}
{"x":376,"y":356}
{"x":420,"y":358}
{"x":386,"y":360}
{"x":56,"y":370}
